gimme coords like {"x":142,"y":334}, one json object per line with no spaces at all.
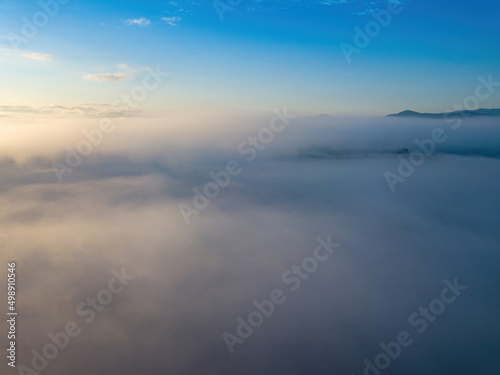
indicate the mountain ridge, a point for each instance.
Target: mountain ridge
{"x":482,"y":112}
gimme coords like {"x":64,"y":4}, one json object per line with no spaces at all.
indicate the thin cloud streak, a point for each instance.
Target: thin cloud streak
{"x":141,"y":22}
{"x":106,"y":77}
{"x":31,"y":55}
{"x":172,"y":21}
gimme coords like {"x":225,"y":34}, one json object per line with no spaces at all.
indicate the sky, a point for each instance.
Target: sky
{"x":169,"y":168}
{"x":260,"y":55}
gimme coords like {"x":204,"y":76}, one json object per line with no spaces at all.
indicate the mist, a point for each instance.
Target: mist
{"x":323,"y":177}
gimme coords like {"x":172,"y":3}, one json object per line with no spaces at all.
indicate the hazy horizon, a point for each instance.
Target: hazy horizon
{"x":214,"y":187}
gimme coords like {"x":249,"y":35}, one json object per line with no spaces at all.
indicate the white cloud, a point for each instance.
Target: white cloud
{"x":87,"y":109}
{"x":142,"y":22}
{"x":172,"y":21}
{"x":111,"y":77}
{"x":37,"y":56}
{"x":105,"y":77}
{"x":27,"y":54}
{"x":126,"y":68}
{"x":332,"y":2}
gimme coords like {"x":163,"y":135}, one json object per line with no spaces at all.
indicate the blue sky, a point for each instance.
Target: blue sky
{"x":262,"y":55}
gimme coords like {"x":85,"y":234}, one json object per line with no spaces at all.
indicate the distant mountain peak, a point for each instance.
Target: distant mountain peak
{"x":465,"y":113}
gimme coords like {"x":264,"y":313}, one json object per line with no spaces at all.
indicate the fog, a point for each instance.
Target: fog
{"x":321,"y":176}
